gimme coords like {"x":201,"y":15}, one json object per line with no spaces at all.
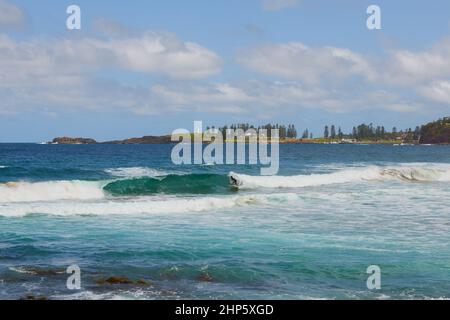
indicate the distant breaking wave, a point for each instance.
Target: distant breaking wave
{"x":373,"y":173}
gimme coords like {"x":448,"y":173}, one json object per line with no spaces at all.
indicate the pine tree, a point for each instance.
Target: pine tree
{"x":333,"y":132}
{"x":305,"y":134}
{"x":326,"y":133}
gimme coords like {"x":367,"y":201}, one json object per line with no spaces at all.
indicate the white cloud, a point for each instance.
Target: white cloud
{"x":67,"y":74}
{"x":55,"y":75}
{"x":297,"y":61}
{"x":405,"y":77}
{"x":438,"y":91}
{"x":164,"y":53}
{"x":257,"y":98}
{"x":276,"y":5}
{"x":209,"y":98}
{"x":405,"y":67}
{"x":151,"y":52}
{"x":10,"y":15}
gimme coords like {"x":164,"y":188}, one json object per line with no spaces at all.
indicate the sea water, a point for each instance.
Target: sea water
{"x":309,"y":233}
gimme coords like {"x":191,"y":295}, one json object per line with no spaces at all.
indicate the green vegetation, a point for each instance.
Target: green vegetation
{"x":285,"y":132}
{"x":369,"y":132}
{"x":362,"y":133}
{"x":436,"y":132}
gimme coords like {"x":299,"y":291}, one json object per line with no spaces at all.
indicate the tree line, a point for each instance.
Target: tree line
{"x":360,"y":132}
{"x":288,"y":131}
{"x":371,"y":132}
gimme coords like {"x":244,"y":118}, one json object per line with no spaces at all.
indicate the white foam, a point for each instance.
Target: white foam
{"x":421,"y":173}
{"x":21,"y":270}
{"x":50,"y":191}
{"x":27,"y":270}
{"x":139,"y":206}
{"x":135,"y":172}
{"x":3,"y":167}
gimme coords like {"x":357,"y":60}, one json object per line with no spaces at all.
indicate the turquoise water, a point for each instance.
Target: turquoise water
{"x":309,"y":233}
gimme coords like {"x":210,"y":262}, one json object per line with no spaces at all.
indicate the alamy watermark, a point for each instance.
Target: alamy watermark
{"x":74,"y":280}
{"x":227,"y":147}
{"x":374,"y":280}
{"x":374,"y":20}
{"x":73,"y":21}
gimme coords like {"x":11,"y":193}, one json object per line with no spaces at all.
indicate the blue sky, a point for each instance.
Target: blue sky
{"x":149,"y":67}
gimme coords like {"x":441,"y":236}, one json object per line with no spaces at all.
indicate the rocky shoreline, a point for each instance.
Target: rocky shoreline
{"x":142,"y":140}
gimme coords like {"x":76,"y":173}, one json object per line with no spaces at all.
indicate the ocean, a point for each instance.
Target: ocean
{"x":183,"y":232}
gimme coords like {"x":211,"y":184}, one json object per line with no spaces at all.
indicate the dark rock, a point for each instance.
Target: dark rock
{"x":115,"y":280}
{"x":142,"y":283}
{"x":123,"y":280}
{"x":205,"y":277}
{"x":31,"y":297}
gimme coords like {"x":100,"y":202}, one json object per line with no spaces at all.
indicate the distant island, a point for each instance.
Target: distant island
{"x":437,"y":132}
{"x":142,"y":140}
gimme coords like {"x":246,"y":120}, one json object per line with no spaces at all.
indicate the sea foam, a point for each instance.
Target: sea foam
{"x":50,"y":191}
{"x":135,"y":172}
{"x":372,"y":173}
{"x":139,"y":206}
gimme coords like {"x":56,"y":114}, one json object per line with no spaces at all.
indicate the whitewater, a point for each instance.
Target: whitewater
{"x":137,"y":181}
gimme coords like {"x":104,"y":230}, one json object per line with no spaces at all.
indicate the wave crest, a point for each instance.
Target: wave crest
{"x":171,"y":184}
{"x":373,"y":173}
{"x":135,"y":172}
{"x":50,"y":191}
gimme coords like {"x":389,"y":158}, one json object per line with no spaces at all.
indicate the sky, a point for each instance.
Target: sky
{"x":149,"y":67}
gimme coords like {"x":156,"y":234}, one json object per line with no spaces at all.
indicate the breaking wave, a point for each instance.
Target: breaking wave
{"x":373,"y":173}
{"x":208,"y":184}
{"x":135,"y":172}
{"x":92,"y":190}
{"x":171,"y":184}
{"x":50,"y":191}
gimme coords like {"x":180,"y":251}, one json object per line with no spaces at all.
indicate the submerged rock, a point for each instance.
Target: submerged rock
{"x":122,"y":280}
{"x":31,"y":297}
{"x":142,"y":283}
{"x":205,"y":277}
{"x":115,"y":280}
